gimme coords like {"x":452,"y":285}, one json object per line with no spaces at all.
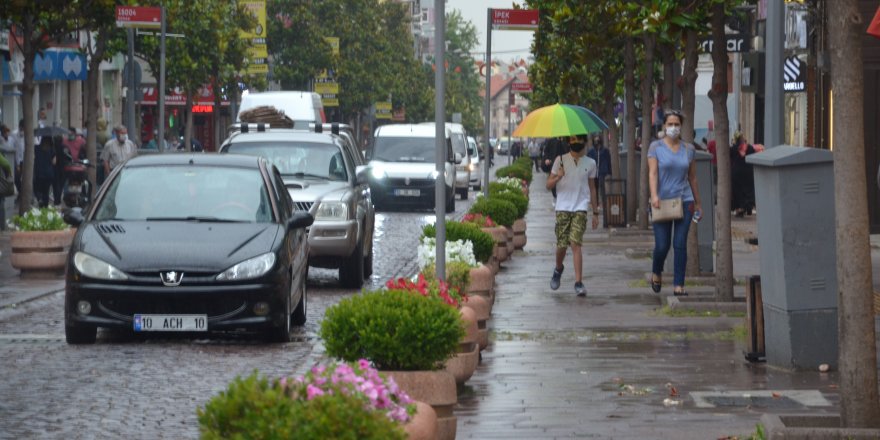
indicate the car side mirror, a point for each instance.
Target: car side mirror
{"x":362,"y":174}
{"x":458,"y":158}
{"x":74,"y":217}
{"x":300,"y":219}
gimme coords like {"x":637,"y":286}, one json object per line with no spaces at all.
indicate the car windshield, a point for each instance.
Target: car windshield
{"x":187,"y":193}
{"x":298,"y":159}
{"x":404,"y":149}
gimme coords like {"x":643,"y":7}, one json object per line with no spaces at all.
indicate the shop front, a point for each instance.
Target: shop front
{"x":207,"y":117}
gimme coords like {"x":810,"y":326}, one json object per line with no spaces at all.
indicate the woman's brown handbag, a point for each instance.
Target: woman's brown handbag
{"x":670,"y":209}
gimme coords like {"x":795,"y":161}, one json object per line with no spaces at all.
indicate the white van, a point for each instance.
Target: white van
{"x":463,"y":168}
{"x":303,"y":107}
{"x":402,"y":166}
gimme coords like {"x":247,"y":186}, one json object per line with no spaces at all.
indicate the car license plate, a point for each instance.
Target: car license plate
{"x":407,"y":192}
{"x":170,"y":323}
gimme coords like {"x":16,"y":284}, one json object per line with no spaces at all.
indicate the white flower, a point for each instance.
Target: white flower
{"x":456,"y":251}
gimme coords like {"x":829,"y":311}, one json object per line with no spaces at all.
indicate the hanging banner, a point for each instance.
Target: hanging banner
{"x":258,"y":53}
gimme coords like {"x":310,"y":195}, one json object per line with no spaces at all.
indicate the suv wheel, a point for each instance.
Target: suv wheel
{"x":351,"y":274}
{"x":368,"y":263}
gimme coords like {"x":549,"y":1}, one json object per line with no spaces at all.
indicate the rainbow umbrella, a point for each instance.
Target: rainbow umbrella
{"x":560,"y":120}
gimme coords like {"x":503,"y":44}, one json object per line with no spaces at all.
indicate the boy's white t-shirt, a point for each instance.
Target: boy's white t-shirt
{"x":573,"y":190}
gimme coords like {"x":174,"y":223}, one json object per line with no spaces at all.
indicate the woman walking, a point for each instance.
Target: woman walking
{"x":672,"y":174}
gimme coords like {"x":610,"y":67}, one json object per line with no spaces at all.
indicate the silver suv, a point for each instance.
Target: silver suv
{"x":326,"y":176}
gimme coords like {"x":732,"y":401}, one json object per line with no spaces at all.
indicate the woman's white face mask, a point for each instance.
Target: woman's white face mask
{"x":673,"y":131}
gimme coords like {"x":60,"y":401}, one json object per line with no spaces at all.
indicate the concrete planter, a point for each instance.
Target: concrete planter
{"x":519,"y":233}
{"x":422,"y":425}
{"x":436,"y":388}
{"x":482,"y":308}
{"x":482,"y":283}
{"x":499,"y":234}
{"x":805,"y":426}
{"x":510,"y":246}
{"x":40,"y":253}
{"x":463,"y":365}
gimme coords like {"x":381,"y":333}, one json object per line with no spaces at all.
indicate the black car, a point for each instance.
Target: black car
{"x":193,"y":243}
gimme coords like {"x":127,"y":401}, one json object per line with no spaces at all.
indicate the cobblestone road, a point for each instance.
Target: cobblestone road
{"x":149,"y":387}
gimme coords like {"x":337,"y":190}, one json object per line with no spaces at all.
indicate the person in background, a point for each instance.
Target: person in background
{"x":153,"y":144}
{"x":575,"y":176}
{"x":44,"y":168}
{"x":74,"y":144}
{"x":672,"y":173}
{"x":18,"y":145}
{"x":710,"y":147}
{"x":117,"y":150}
{"x":6,"y":147}
{"x":535,"y":154}
{"x":602,"y":156}
{"x":741,"y":176}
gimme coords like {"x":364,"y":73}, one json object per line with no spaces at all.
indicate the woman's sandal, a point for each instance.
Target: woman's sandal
{"x":656,"y":285}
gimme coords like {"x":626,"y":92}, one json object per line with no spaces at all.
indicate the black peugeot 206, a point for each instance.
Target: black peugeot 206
{"x":188,"y":243}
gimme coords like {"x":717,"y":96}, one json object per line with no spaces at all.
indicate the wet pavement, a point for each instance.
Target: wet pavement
{"x":611,"y":365}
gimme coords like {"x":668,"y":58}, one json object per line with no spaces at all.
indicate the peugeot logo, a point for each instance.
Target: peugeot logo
{"x":171,"y":278}
{"x":406,"y":181}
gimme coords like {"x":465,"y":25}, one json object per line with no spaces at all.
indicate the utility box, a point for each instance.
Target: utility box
{"x":796,"y":231}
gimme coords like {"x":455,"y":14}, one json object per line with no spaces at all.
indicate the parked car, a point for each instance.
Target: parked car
{"x":188,"y":242}
{"x":325,"y":175}
{"x":475,"y":169}
{"x":402,"y":166}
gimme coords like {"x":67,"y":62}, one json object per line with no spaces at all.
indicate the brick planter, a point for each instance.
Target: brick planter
{"x":436,"y":388}
{"x":482,"y":283}
{"x":499,"y":234}
{"x":40,"y":253}
{"x":519,"y":233}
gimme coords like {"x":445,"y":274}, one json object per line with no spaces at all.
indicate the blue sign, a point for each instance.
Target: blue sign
{"x":57,"y":65}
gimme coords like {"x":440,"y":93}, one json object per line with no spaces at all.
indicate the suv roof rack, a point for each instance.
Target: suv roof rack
{"x":333,"y":127}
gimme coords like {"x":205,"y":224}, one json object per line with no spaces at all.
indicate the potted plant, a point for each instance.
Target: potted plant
{"x":503,"y":213}
{"x":40,"y":241}
{"x":480,"y":278}
{"x":330,"y":401}
{"x":521,"y":202}
{"x":407,"y":335}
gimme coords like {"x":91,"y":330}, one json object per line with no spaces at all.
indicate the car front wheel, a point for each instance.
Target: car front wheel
{"x":351,"y":274}
{"x":299,"y":313}
{"x":281,"y":331}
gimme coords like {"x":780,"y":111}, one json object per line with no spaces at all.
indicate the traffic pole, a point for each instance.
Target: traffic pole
{"x":440,"y":135}
{"x":161,"y":130}
{"x":488,"y":69}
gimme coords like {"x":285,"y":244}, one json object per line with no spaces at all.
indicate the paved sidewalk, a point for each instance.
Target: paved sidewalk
{"x":605,"y":366}
{"x":15,"y":290}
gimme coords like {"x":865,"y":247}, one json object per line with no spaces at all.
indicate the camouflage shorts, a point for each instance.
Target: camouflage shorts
{"x":570,"y":227}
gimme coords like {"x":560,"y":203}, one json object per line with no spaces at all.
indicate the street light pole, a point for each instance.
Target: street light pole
{"x":440,"y":137}
{"x":774,"y":127}
{"x":487,"y":121}
{"x":160,"y":142}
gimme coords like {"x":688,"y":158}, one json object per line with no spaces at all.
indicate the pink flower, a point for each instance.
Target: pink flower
{"x":313,"y":391}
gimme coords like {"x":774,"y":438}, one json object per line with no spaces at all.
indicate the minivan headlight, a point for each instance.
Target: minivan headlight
{"x":92,"y":267}
{"x":434,"y":174}
{"x":378,"y":172}
{"x":332,"y":211}
{"x":250,"y":268}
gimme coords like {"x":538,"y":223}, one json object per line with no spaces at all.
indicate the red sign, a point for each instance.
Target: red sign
{"x":138,"y":16}
{"x":203,"y":109}
{"x":521,"y":87}
{"x":398,"y":115}
{"x":514,"y":19}
{"x":176,"y":97}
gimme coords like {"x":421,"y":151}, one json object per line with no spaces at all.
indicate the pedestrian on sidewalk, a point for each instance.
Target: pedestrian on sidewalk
{"x":117,"y":150}
{"x":573,"y":175}
{"x":535,"y":154}
{"x":552,"y":149}
{"x":672,"y":173}
{"x":602,"y":156}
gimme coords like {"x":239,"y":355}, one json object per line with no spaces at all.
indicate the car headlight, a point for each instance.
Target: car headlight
{"x":248,"y":269}
{"x":92,"y":267}
{"x":471,"y":167}
{"x":332,"y":211}
{"x":378,"y":172}
{"x":434,"y":174}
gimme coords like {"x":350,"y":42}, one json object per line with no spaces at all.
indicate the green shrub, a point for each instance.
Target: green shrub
{"x":502,"y":212}
{"x":481,"y":241}
{"x":525,"y":162}
{"x":254,"y":407}
{"x":395,"y":330}
{"x":458,"y":276}
{"x":524,"y":173}
{"x":519,"y":200}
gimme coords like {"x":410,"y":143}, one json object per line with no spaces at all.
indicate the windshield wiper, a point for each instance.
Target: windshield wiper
{"x":302,"y":175}
{"x":193,"y":218}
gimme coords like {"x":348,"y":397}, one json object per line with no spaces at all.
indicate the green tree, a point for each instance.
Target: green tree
{"x":296,"y":41}
{"x":36,"y":23}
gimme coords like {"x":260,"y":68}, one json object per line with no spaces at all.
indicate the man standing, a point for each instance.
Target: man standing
{"x":535,"y":154}
{"x":603,"y":162}
{"x":117,"y":150}
{"x":574,"y":176}
{"x":18,"y":145}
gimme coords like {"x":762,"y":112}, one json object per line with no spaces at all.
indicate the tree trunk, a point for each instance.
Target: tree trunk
{"x":667,"y":53}
{"x":93,"y":104}
{"x":859,"y":400}
{"x":27,"y":106}
{"x":718,"y":95}
{"x":687,"y":84}
{"x":647,"y":136}
{"x":629,"y":83}
{"x":613,"y":149}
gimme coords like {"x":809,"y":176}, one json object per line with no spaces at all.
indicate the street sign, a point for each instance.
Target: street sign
{"x":327,"y":87}
{"x":521,"y":87}
{"x":330,"y":100}
{"x":138,"y":17}
{"x":794,"y":73}
{"x":515,"y":19}
{"x":258,"y":10}
{"x":257,"y":53}
{"x":383,"y":110}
